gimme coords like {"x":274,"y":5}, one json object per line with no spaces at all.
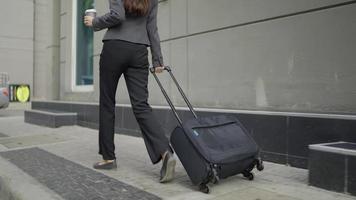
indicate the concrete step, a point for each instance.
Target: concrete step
{"x":50,"y":118}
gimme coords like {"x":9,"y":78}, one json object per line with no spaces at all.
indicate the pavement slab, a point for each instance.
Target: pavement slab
{"x":70,"y":180}
{"x":75,"y":156}
{"x":33,"y":140}
{"x":253,"y":193}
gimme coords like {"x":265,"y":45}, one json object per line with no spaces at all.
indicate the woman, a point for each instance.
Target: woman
{"x":131,"y":27}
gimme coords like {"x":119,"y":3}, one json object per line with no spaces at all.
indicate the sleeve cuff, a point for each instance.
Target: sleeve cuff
{"x":95,"y":28}
{"x":157,"y":63}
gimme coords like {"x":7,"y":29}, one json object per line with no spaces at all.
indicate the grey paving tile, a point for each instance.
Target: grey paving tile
{"x":254,"y":194}
{"x":23,"y":141}
{"x":70,"y":180}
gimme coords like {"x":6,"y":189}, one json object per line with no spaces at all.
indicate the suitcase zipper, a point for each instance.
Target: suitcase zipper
{"x":212,"y":126}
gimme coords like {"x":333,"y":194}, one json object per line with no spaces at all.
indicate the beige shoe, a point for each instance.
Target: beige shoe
{"x":168,"y":168}
{"x":105,"y":165}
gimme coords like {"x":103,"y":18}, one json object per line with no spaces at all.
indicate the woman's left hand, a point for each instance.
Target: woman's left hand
{"x":159,"y":69}
{"x":88,"y":21}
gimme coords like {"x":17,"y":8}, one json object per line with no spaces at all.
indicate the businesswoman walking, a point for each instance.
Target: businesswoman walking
{"x":131,"y":27}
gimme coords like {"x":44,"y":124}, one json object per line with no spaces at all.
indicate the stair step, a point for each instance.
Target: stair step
{"x":50,"y":118}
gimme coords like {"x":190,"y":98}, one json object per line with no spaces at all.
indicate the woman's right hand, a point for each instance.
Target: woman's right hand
{"x":88,"y":21}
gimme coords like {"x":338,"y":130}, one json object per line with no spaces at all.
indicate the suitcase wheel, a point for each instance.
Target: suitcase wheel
{"x":248,"y":175}
{"x":215,"y":178}
{"x":204,"y":188}
{"x":260,"y":165}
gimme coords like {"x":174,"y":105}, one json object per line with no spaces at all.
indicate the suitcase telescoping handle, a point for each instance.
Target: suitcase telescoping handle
{"x":169,"y":70}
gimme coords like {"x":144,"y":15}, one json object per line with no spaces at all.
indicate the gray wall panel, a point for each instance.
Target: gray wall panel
{"x":179,"y":17}
{"x":47,"y":49}
{"x":210,"y":14}
{"x":164,"y":20}
{"x":20,"y":12}
{"x":18,"y":64}
{"x":292,"y":63}
{"x":16,"y":40}
{"x":301,"y":62}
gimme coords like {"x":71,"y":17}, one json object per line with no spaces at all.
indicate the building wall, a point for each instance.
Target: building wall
{"x":66,"y":63}
{"x":46,"y":49}
{"x":275,"y":55}
{"x":16,"y":40}
{"x":238,"y":54}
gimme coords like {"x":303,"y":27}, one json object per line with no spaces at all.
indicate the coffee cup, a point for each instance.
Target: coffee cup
{"x":90,"y":12}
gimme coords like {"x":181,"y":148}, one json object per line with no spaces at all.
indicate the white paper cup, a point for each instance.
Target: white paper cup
{"x":90,"y":12}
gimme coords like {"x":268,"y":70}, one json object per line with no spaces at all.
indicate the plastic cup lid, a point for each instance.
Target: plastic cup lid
{"x":90,"y":10}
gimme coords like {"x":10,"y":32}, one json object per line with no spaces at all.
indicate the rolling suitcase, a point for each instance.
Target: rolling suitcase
{"x":212,"y":148}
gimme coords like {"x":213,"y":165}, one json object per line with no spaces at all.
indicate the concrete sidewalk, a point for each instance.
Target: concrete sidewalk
{"x":44,"y":164}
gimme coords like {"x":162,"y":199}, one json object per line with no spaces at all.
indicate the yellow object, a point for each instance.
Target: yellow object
{"x":23,"y":93}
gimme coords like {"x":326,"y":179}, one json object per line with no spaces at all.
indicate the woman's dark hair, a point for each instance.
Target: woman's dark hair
{"x":136,"y":7}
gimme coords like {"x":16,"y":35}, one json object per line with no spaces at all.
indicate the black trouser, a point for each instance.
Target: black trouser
{"x":131,"y":60}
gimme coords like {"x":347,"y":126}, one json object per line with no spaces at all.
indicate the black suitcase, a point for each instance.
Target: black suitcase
{"x":212,"y":148}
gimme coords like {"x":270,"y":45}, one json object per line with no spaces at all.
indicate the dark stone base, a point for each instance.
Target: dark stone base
{"x":282,"y":137}
{"x":332,"y":167}
{"x":327,"y":170}
{"x":351,"y":181}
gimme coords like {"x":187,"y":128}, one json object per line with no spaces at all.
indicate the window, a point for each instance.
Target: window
{"x":82,"y":55}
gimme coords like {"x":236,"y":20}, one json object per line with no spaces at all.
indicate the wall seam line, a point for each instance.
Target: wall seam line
{"x":261,"y":20}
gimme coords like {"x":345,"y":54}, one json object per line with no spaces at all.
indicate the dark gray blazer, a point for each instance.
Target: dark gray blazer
{"x":142,"y":30}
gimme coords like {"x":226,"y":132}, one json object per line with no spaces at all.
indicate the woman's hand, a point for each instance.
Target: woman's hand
{"x":159,"y":69}
{"x":88,"y":21}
